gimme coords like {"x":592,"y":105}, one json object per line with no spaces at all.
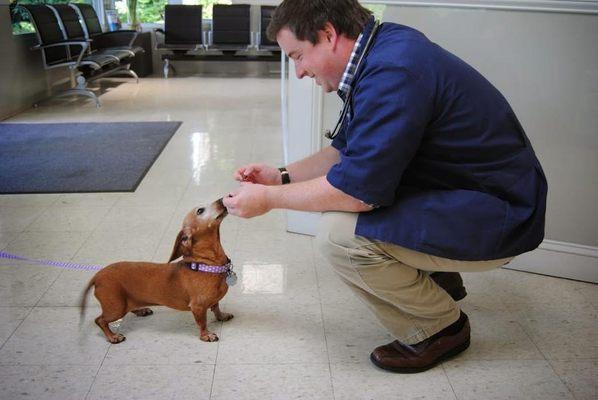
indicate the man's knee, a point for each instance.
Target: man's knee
{"x":336,"y":231}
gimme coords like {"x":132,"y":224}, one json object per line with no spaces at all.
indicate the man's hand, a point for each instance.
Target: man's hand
{"x":258,"y":173}
{"x":247,"y":201}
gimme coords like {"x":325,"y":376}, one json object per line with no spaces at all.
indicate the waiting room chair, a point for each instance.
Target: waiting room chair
{"x":182,"y":33}
{"x":121,"y":39}
{"x":231,"y":27}
{"x":73,"y":30}
{"x":262,"y":41}
{"x":59,"y":52}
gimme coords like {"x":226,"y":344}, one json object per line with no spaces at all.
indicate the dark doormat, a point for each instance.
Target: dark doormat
{"x":79,"y":157}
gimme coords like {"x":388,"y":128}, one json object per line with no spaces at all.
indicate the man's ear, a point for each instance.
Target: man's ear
{"x":182,"y":244}
{"x":329,"y":34}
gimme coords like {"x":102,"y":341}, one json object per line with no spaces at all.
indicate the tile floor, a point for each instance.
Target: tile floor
{"x":297,"y":332}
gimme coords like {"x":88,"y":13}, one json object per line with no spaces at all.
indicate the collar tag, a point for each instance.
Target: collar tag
{"x":231,"y":277}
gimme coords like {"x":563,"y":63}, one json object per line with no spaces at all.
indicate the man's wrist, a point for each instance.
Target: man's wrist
{"x":285,"y":178}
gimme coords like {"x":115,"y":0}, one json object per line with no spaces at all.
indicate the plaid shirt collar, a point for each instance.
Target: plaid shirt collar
{"x":349,"y":75}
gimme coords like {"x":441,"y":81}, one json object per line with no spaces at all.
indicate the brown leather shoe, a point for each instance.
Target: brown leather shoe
{"x":407,"y":359}
{"x":451,"y":282}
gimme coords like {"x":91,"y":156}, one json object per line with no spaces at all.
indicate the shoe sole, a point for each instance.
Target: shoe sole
{"x":413,"y":370}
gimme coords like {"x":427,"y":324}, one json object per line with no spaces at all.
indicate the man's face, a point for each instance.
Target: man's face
{"x":318,"y":61}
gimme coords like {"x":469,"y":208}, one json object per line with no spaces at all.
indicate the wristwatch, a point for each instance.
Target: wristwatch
{"x":284,"y":175}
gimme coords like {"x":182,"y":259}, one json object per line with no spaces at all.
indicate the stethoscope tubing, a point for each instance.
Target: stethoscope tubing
{"x":347,"y":103}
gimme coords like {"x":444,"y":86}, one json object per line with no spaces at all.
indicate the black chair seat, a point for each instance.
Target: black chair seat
{"x":121,"y":39}
{"x":121,"y":54}
{"x":134,"y":49}
{"x":102,"y":60}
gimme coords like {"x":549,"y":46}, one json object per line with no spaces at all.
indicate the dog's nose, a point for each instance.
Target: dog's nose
{"x":219,"y":201}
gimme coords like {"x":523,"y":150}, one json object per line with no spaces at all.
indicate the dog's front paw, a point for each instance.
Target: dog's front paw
{"x":225,"y":316}
{"x":209,"y":337}
{"x":116,"y":338}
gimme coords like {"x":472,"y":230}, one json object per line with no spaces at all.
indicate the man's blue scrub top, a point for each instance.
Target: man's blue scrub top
{"x":440,"y":150}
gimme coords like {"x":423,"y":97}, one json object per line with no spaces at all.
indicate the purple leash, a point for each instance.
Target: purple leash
{"x":231,"y":277}
{"x":64,"y":265}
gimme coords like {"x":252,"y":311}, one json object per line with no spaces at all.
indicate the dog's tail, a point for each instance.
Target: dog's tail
{"x":84,"y":300}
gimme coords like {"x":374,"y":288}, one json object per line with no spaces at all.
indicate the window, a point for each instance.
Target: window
{"x":147,"y":10}
{"x":152,"y":11}
{"x":377,"y":9}
{"x":207,"y":5}
{"x":20,"y":19}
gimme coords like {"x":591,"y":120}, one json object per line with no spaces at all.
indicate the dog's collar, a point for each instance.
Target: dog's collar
{"x":215,"y":269}
{"x":231,"y":277}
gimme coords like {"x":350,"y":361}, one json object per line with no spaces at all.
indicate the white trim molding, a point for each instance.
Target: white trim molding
{"x":562,"y":259}
{"x":561,"y":6}
{"x":302,"y":127}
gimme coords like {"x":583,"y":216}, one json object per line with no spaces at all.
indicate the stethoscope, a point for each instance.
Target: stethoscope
{"x":347,"y":104}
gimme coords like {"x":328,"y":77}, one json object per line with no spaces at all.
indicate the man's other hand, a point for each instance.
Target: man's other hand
{"x":258,"y":173}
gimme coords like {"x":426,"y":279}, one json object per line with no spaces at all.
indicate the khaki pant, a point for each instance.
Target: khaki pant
{"x":393,"y":281}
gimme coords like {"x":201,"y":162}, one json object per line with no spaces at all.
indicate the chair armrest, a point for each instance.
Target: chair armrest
{"x":83,"y":43}
{"x":74,"y":61}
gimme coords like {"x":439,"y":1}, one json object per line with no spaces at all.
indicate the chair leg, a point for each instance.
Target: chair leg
{"x":82,"y":92}
{"x":123,"y":70}
{"x":167,"y":67}
{"x":79,"y":87}
{"x":132,"y":73}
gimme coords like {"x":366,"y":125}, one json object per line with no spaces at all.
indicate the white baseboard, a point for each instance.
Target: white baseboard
{"x":562,"y":259}
{"x":302,"y":222}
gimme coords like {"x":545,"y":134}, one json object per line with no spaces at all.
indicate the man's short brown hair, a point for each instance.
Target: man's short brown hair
{"x":306,"y":17}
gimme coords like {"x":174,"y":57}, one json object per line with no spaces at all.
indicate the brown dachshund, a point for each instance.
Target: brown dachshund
{"x":132,"y":286}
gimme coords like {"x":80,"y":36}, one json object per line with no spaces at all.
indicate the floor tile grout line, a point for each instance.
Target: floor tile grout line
{"x":313,"y":257}
{"x":560,"y":379}
{"x":221,"y":334}
{"x":24,"y":229}
{"x":91,"y":232}
{"x":95,"y":377}
{"x":38,"y":216}
{"x":164,"y":232}
{"x":449,"y":381}
{"x":215,"y":364}
{"x":73,"y":256}
{"x":188,"y":364}
{"x":16,"y":328}
{"x":71,"y":259}
{"x":546,"y":359}
{"x":174,"y":210}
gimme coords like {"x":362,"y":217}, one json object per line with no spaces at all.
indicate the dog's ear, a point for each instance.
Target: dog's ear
{"x":182,"y":244}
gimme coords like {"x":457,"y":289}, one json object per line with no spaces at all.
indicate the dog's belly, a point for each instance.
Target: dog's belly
{"x":166,"y":298}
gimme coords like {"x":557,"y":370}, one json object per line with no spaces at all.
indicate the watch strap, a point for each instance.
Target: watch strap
{"x":284,"y":175}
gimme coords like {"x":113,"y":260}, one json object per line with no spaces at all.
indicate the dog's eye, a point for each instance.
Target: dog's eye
{"x":200,"y":210}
